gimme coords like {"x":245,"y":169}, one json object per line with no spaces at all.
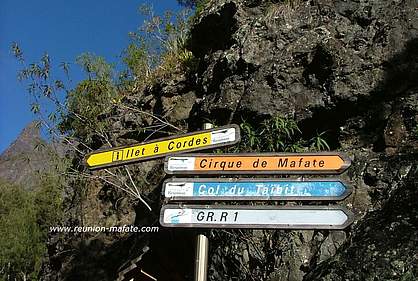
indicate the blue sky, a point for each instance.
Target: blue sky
{"x":64,"y":29}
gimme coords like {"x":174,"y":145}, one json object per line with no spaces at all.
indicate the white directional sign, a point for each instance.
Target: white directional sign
{"x":280,"y":217}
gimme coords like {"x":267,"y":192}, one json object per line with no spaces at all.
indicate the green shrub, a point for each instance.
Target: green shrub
{"x":276,"y":134}
{"x":158,"y":49}
{"x":21,"y":244}
{"x":47,"y":200}
{"x":25,"y":218}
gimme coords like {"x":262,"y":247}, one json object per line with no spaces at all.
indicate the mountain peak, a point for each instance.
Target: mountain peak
{"x":23,"y":157}
{"x":28,"y":138}
{"x":31,"y":130}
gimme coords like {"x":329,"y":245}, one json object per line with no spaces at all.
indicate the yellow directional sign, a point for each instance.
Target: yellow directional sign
{"x":205,"y":139}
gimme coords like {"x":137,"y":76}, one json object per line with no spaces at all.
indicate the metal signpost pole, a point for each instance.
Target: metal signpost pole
{"x":202,"y":245}
{"x":201,"y":262}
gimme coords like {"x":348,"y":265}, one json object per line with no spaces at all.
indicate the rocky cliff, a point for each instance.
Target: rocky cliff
{"x":347,"y":68}
{"x":25,"y":158}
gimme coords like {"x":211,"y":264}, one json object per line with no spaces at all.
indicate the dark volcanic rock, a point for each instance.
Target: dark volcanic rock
{"x":384,"y":245}
{"x":315,"y":56}
{"x":345,"y":67}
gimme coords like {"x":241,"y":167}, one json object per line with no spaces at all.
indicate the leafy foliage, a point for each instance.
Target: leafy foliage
{"x":319,"y":143}
{"x":47,"y":201}
{"x":158,"y":48}
{"x":277,"y":134}
{"x":91,"y":98}
{"x":95,"y":67}
{"x":24,"y":222}
{"x":197,"y":5}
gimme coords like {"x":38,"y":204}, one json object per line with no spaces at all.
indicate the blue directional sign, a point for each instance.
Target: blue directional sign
{"x":211,"y":189}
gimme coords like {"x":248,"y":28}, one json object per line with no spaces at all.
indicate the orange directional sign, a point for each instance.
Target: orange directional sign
{"x":258,"y":163}
{"x":204,"y":139}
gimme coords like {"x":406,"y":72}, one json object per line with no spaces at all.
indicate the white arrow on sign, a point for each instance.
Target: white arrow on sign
{"x":279,"y":217}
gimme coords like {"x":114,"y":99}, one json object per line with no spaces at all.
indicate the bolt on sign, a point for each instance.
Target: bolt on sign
{"x":232,"y":189}
{"x":205,"y":139}
{"x":266,"y":217}
{"x":258,"y":163}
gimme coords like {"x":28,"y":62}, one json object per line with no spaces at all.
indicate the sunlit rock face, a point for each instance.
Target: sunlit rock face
{"x":345,"y":67}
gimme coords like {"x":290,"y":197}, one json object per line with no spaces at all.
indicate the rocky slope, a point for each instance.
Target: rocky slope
{"x":348,"y":68}
{"x":26,"y":157}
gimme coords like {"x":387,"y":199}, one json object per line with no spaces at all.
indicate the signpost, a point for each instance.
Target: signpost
{"x":265,"y":217}
{"x":205,"y":139}
{"x":258,"y":163}
{"x":230,"y":189}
